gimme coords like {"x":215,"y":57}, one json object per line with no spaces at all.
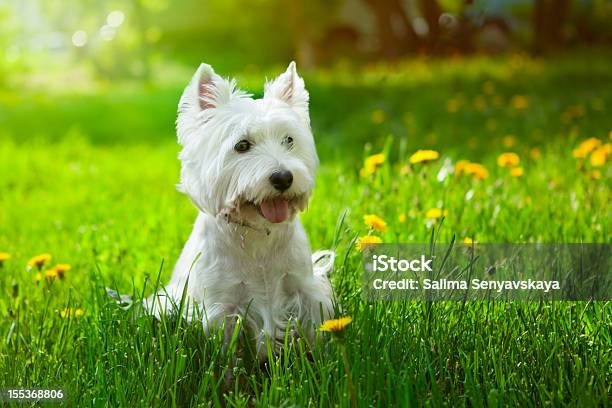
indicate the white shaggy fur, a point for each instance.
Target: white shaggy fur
{"x":237,"y":262}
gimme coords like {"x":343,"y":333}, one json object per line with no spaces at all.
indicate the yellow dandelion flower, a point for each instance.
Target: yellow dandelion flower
{"x":4,"y":256}
{"x":70,"y":312}
{"x":572,"y":112}
{"x":364,"y":241}
{"x":375,"y":222}
{"x":39,"y":260}
{"x":402,"y":217}
{"x":38,"y":277}
{"x":578,"y":154}
{"x":452,"y":105}
{"x":586,"y":147}
{"x":435,"y":213}
{"x":460,"y":166}
{"x":366,"y":171}
{"x":372,"y":163}
{"x":421,"y":156}
{"x":477,"y":171}
{"x":50,"y":274}
{"x":375,"y":160}
{"x":61,"y":269}
{"x":516,"y":171}
{"x":508,"y":141}
{"x":508,"y":159}
{"x":595,"y":175}
{"x":577,"y":110}
{"x":469,"y":241}
{"x":519,"y":102}
{"x":480,"y":103}
{"x":599,"y":157}
{"x":336,"y":325}
{"x":491,"y":125}
{"x":535,"y":153}
{"x":488,"y":87}
{"x":378,"y":116}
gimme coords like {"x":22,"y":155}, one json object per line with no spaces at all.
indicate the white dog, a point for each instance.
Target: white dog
{"x":249,"y":166}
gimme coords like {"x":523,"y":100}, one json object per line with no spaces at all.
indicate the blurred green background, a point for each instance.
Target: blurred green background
{"x":107,"y":40}
{"x":112,"y":71}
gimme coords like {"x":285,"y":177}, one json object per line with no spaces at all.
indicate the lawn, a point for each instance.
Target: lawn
{"x":90,"y":179}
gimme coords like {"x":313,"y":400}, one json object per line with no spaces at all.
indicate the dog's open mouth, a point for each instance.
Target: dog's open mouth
{"x":275,"y":209}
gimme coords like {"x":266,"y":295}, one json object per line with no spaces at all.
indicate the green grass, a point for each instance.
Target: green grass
{"x":90,"y":179}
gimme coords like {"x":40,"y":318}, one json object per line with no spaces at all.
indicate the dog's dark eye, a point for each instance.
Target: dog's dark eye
{"x":288,"y":141}
{"x":242,"y":146}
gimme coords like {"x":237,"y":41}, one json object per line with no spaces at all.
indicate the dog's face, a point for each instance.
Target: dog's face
{"x":253,"y":160}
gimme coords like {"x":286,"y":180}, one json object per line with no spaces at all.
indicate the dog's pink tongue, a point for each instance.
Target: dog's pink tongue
{"x":275,"y":210}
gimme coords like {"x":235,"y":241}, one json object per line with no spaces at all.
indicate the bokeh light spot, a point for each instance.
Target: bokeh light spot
{"x":115,"y":18}
{"x":79,"y":38}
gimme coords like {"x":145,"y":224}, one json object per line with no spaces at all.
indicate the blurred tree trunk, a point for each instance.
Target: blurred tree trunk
{"x":463,"y":39}
{"x":558,"y":17}
{"x":539,"y":28}
{"x":302,"y":38}
{"x":431,"y":11}
{"x":395,"y":33}
{"x":549,"y":18}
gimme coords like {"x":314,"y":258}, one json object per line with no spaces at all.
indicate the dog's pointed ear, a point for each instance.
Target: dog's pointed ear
{"x":207,"y":90}
{"x":289,"y":88}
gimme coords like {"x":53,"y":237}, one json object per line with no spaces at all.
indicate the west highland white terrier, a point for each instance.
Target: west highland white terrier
{"x":249,"y":167}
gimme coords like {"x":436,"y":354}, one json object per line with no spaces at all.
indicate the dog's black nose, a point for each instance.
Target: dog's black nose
{"x":281,"y":180}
